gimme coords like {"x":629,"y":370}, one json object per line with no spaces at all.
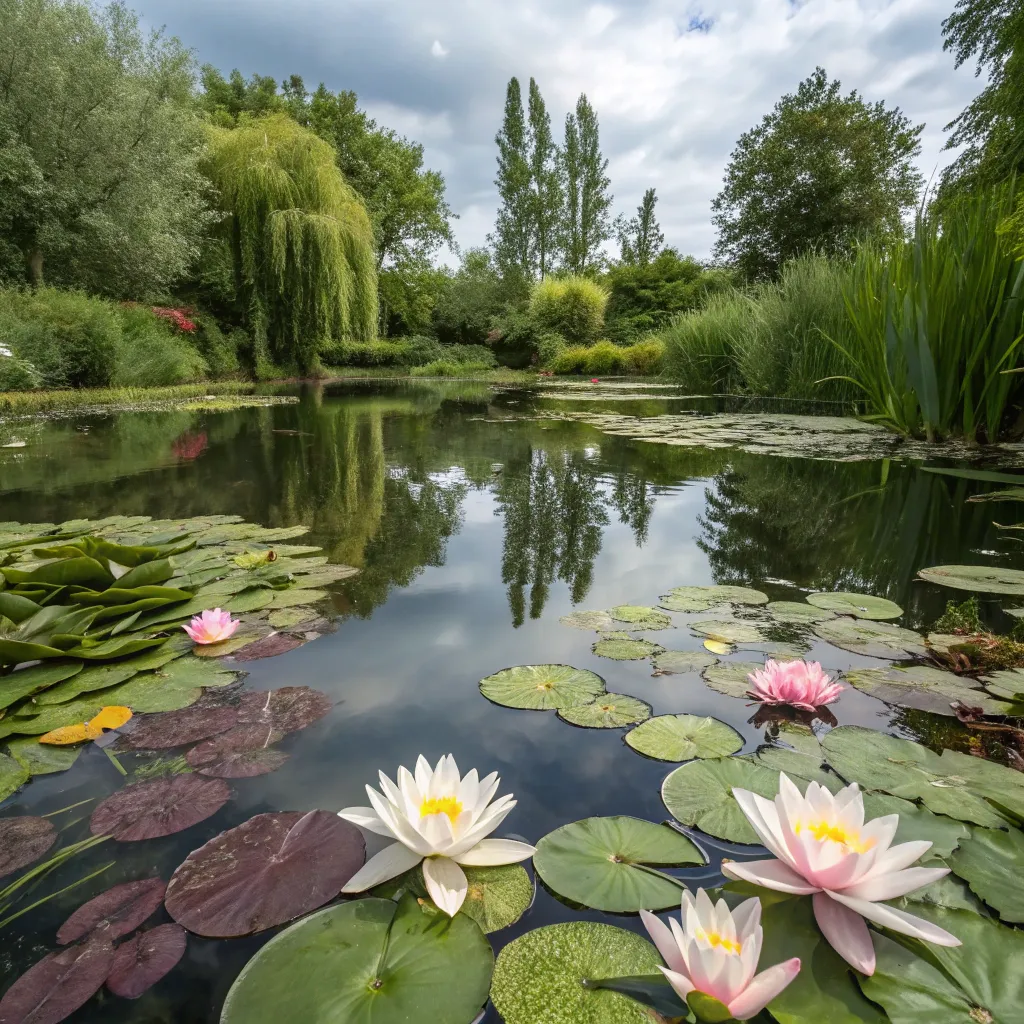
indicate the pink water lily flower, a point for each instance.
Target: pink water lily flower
{"x":800,"y":684}
{"x":211,"y":627}
{"x":716,"y":952}
{"x":825,"y":849}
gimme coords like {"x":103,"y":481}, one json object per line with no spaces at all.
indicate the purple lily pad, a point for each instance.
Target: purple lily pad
{"x":22,"y":840}
{"x":289,"y":708}
{"x":148,"y":810}
{"x":144,"y":959}
{"x":115,"y":912}
{"x":269,"y":870}
{"x":56,"y":986}
{"x":270,"y":646}
{"x":176,"y":728}
{"x":240,"y":753}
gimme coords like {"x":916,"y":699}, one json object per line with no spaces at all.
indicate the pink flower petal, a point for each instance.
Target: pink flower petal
{"x":763,"y":989}
{"x":846,"y":931}
{"x":772,"y":874}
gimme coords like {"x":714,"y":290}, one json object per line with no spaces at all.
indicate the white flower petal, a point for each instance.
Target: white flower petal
{"x":772,"y":874}
{"x":763,"y":989}
{"x":365,"y":817}
{"x":846,"y":932}
{"x":756,"y":808}
{"x":897,"y":920}
{"x":680,"y":983}
{"x":424,"y":775}
{"x":493,"y":852}
{"x":898,"y":857}
{"x":446,"y":883}
{"x":392,"y":861}
{"x":661,"y":936}
{"x":898,"y":883}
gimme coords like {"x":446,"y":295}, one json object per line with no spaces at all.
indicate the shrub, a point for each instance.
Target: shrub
{"x":154,"y":351}
{"x":571,"y":360}
{"x":549,"y":348}
{"x":646,"y":358}
{"x":605,"y":357}
{"x":699,"y":346}
{"x":220,"y":350}
{"x":18,"y":374}
{"x":448,"y":368}
{"x":514,"y":337}
{"x":570,"y":306}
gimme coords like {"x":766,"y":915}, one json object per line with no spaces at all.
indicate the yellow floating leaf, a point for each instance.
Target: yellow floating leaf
{"x":110,"y":718}
{"x":718,"y":647}
{"x":68,"y":735}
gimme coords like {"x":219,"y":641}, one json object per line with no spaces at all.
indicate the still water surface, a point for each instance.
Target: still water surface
{"x":474,"y":534}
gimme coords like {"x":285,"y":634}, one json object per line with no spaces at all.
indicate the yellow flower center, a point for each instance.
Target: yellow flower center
{"x":823,"y":830}
{"x":449,"y":805}
{"x":717,"y":941}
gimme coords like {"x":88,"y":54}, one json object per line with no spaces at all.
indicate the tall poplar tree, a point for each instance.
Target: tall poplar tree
{"x":545,"y":184}
{"x":586,"y":223}
{"x":512,"y":235}
{"x":640,"y":237}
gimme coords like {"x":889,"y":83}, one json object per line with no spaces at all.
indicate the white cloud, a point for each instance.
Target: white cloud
{"x":438,"y":50}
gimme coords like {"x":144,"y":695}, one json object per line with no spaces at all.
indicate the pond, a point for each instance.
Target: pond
{"x":477,"y":521}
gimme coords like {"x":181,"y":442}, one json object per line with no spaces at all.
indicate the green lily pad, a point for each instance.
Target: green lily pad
{"x":872,"y":639}
{"x":223,"y":648}
{"x":13,"y":775}
{"x":862,"y":606}
{"x":296,"y":598}
{"x":798,"y":612}
{"x":640,"y":616}
{"x":604,"y":863}
{"x":924,"y":688}
{"x":949,"y":891}
{"x":96,"y":677}
{"x":992,"y":864}
{"x":542,"y":687}
{"x":539,"y":976}
{"x":730,"y":677}
{"x":42,"y":758}
{"x":625,"y":650}
{"x":1007,"y":683}
{"x":684,"y":737}
{"x":720,"y":595}
{"x":917,"y":822}
{"x":27,"y":681}
{"x":285,"y":618}
{"x":686,"y":603}
{"x":367,"y":960}
{"x":671,"y":663}
{"x":609,"y":711}
{"x":594,"y":620}
{"x":250,"y":601}
{"x":953,"y":784}
{"x":730,"y":631}
{"x":982,"y":579}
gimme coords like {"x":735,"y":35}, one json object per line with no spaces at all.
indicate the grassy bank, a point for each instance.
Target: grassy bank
{"x":26,"y":403}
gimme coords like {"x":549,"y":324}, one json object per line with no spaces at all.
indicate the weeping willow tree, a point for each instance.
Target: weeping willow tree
{"x":301,"y":237}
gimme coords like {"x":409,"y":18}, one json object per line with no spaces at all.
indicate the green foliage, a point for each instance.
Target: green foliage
{"x":820,"y":170}
{"x":220,"y":350}
{"x":412,"y":352}
{"x":152,"y":353}
{"x":545,"y":185}
{"x":512,"y":234}
{"x":514,"y":337}
{"x":302,"y":239}
{"x":938,"y":318}
{"x":640,"y":238}
{"x":18,"y":374}
{"x":644,"y":358}
{"x":959,"y":618}
{"x":99,"y":146}
{"x":549,"y":348}
{"x":469,"y":301}
{"x":585,"y":224}
{"x":570,"y":306}
{"x":450,"y":368}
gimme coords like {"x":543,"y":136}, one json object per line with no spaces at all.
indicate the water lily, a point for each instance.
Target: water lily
{"x":211,"y":627}
{"x":825,"y":849}
{"x":440,"y":819}
{"x":716,"y":952}
{"x":800,"y":684}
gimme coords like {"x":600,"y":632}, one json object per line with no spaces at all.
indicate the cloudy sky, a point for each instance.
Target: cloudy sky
{"x":674,"y":85}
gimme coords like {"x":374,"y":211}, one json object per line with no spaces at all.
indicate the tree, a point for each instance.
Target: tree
{"x":470,"y":300}
{"x":585,"y":224}
{"x":302,"y":239}
{"x":99,"y":149}
{"x":820,"y":170}
{"x":640,"y":238}
{"x":545,"y":183}
{"x":512,"y":237}
{"x":992,"y":126}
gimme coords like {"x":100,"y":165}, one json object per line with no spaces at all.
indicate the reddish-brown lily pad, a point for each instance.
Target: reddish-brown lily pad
{"x":144,"y":959}
{"x":270,"y":646}
{"x":148,"y":810}
{"x":289,"y":708}
{"x":22,"y":840}
{"x":57,"y":985}
{"x":269,"y":870}
{"x":240,"y":753}
{"x":115,"y":912}
{"x":176,"y":728}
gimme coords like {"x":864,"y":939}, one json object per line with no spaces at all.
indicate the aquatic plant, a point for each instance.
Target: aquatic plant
{"x":801,"y":684}
{"x":439,"y":819}
{"x":211,"y":627}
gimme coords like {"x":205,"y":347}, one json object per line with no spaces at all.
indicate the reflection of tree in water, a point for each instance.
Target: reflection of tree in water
{"x":633,"y":498}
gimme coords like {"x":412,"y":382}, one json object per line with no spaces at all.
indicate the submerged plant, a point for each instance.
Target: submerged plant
{"x":823,"y":848}
{"x":440,"y":819}
{"x":959,"y":618}
{"x":800,"y":684}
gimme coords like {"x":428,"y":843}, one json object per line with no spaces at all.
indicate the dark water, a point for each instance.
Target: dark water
{"x":473,"y":537}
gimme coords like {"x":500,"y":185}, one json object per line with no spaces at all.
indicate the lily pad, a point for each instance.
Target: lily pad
{"x":625,"y":650}
{"x":1007,"y":683}
{"x":177,"y":728}
{"x":729,"y":631}
{"x":670,"y":663}
{"x":595,"y":621}
{"x":730,"y":677}
{"x":982,"y":579}
{"x":684,"y":737}
{"x":640,"y":616}
{"x":367,"y":960}
{"x":924,"y":688}
{"x":271,"y":646}
{"x":542,"y":687}
{"x":717,"y":595}
{"x":41,"y":759}
{"x":148,"y":810}
{"x":96,"y":677}
{"x":872,"y":639}
{"x":700,"y":794}
{"x":862,"y":606}
{"x":288,"y":708}
{"x":604,"y":863}
{"x":240,"y":753}
{"x":296,"y":597}
{"x":223,"y":648}
{"x":917,"y":822}
{"x":286,"y":618}
{"x":27,"y":681}
{"x":540,"y":976}
{"x":798,"y":612}
{"x":24,"y":839}
{"x":266,"y":871}
{"x":54,"y":987}
{"x":249,"y":601}
{"x":609,"y":711}
{"x":992,"y":864}
{"x":12,"y":776}
{"x":144,"y":959}
{"x":116,"y":912}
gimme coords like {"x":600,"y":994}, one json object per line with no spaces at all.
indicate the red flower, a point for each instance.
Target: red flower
{"x":177,"y":317}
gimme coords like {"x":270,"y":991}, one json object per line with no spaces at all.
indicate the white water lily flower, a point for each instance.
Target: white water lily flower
{"x":824,"y":848}
{"x":438,"y":818}
{"x":716,"y":952}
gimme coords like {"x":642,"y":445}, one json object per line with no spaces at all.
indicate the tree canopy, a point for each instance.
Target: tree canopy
{"x":817,"y":172}
{"x":640,"y":237}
